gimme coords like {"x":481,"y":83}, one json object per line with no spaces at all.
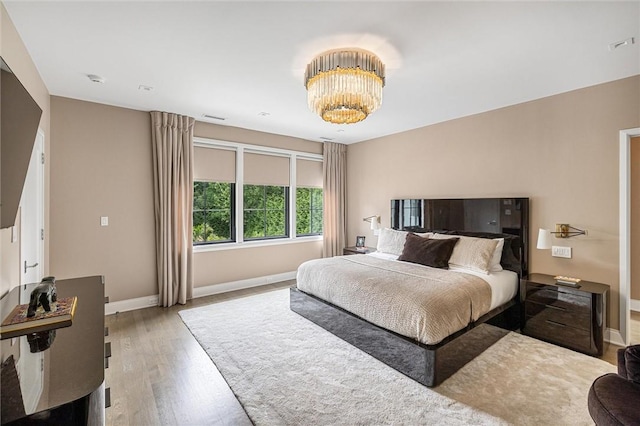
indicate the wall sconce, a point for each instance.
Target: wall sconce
{"x":563,"y":230}
{"x":375,"y":223}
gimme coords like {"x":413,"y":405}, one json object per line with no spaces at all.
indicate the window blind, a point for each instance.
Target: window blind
{"x":214,"y":165}
{"x":309,"y":173}
{"x":260,"y":169}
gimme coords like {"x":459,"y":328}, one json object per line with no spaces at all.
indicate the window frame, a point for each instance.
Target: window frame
{"x":286,"y":212}
{"x":311,"y":210}
{"x":232,"y":219}
{"x":240,"y":150}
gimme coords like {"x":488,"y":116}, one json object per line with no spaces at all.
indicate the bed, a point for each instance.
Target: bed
{"x":421,"y":318}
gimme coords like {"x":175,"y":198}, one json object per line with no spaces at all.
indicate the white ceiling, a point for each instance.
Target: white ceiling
{"x":238,"y":59}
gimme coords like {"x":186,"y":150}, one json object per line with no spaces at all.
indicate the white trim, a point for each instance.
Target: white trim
{"x":635,"y":305}
{"x":625,"y":227}
{"x":614,"y":337}
{"x":239,"y":212}
{"x":242,"y":284}
{"x":205,"y":142}
{"x":130,"y":304}
{"x":152,"y":301}
{"x":293,"y":195}
{"x":257,"y":243}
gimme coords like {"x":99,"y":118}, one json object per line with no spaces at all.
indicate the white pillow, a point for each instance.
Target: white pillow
{"x":494,"y":265}
{"x":391,"y":241}
{"x":471,"y":253}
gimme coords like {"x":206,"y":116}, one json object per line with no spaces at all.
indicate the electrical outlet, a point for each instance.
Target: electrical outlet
{"x":559,"y":251}
{"x":104,"y":220}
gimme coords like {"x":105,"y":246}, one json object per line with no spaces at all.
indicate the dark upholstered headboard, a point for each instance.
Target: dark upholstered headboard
{"x":506,"y":218}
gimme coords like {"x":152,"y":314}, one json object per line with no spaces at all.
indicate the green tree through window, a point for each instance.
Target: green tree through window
{"x":265,"y":211}
{"x":309,"y":211}
{"x":213,"y":212}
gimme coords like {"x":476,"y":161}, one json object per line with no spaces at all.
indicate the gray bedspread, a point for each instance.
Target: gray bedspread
{"x":423,"y":303}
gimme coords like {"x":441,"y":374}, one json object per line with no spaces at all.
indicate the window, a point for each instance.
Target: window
{"x":213,"y":212}
{"x":308,"y":211}
{"x":265,"y":212}
{"x":214,"y":195}
{"x":241,"y":193}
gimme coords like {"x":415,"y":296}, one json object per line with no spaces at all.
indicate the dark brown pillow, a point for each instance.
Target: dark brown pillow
{"x":428,"y":252}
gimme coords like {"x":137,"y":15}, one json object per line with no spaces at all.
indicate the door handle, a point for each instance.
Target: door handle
{"x":29,"y":266}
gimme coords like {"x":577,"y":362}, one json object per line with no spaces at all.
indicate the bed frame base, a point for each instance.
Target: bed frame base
{"x":429,"y":365}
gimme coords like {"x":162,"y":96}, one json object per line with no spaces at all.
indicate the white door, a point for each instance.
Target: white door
{"x":32,"y":217}
{"x":30,"y":365}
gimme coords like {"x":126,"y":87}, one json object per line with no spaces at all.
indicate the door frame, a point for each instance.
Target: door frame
{"x":625,"y":232}
{"x":39,"y":150}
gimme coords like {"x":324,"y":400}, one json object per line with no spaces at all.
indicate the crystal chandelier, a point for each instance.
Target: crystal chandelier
{"x":344,"y":86}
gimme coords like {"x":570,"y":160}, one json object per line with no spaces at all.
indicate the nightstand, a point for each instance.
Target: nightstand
{"x":357,"y":250}
{"x":573,"y":317}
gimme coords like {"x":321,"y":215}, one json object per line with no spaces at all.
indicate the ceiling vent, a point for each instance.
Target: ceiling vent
{"x":213,"y":117}
{"x":324,"y":138}
{"x":96,"y":78}
{"x":617,"y":44}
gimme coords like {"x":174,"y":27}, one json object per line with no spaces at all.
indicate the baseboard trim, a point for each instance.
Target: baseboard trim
{"x":130,"y":304}
{"x":614,"y":337}
{"x":242,"y":284}
{"x":151,"y":301}
{"x":635,"y":305}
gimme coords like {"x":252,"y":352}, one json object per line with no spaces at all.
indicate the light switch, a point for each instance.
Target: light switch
{"x":559,"y":251}
{"x":104,"y":220}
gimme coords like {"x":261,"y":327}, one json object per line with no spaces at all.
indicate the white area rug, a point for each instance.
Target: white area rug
{"x":285,"y":370}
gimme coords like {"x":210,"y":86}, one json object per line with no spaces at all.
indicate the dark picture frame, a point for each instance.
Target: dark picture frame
{"x":360,"y":241}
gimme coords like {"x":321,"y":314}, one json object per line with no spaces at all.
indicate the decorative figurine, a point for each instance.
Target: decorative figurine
{"x":43,"y":295}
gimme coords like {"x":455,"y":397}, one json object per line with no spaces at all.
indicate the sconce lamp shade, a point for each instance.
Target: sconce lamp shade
{"x":375,"y":223}
{"x":544,"y":239}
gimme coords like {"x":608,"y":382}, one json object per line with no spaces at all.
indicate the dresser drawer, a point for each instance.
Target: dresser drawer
{"x":551,"y":296}
{"x":559,"y":313}
{"x":574,"y":338}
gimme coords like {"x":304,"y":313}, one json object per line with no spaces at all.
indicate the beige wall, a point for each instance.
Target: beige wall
{"x":560,"y":151}
{"x":101,"y":166}
{"x":635,"y":218}
{"x":16,"y":56}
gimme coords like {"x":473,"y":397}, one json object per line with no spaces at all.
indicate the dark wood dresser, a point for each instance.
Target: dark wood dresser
{"x":573,"y":317}
{"x":57,"y":377}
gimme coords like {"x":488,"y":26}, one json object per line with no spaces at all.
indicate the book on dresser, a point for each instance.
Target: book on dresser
{"x":17,"y":323}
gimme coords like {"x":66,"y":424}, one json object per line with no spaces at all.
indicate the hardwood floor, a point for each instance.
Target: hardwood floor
{"x":160,"y":375}
{"x":610,"y":354}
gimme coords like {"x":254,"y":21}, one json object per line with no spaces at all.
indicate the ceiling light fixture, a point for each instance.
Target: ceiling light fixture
{"x":344,"y":86}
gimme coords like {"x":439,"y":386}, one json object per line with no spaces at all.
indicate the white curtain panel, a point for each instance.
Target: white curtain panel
{"x":172,"y":141}
{"x":334,"y":169}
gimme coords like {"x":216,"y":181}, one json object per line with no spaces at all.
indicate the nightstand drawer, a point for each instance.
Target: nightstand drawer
{"x":558,"y":333}
{"x":573,"y":317}
{"x":577,"y":318}
{"x":550,"y":296}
